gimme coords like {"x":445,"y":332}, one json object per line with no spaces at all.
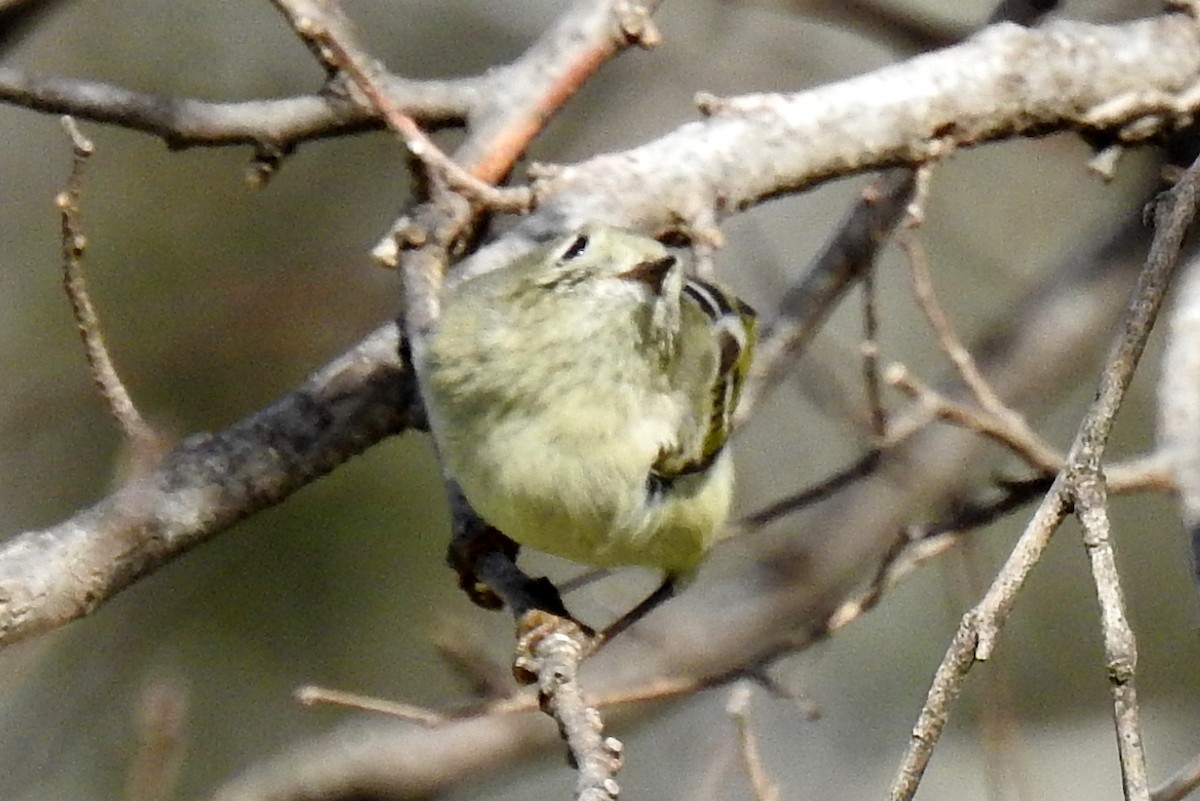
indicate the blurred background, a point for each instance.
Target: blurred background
{"x":217,"y":297}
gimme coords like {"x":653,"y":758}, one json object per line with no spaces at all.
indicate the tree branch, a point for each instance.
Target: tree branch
{"x":276,"y":125}
{"x":551,"y":650}
{"x":1006,"y":81}
{"x":145,"y":442}
{"x":204,"y":486}
{"x":329,"y":34}
{"x":1079,"y":484}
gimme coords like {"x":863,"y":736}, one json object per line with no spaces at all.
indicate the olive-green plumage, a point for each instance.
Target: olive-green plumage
{"x":582,"y":398}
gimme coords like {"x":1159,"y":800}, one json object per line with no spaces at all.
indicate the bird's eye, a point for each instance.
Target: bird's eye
{"x":577,"y":246}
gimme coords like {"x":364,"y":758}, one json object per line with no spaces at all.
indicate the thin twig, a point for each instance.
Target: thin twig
{"x":340,"y":51}
{"x":551,"y":650}
{"x":896,"y":565}
{"x":870,"y":354}
{"x":463,"y":650}
{"x":706,"y":783}
{"x":997,"y":723}
{"x":586,"y":37}
{"x":847,"y":257}
{"x":1080,"y":482}
{"x":142,"y":437}
{"x":523,"y":97}
{"x":161,"y":722}
{"x":964,"y":648}
{"x":1013,"y":424}
{"x":919,"y":544}
{"x":1147,"y":473}
{"x":1015,"y":436}
{"x":514,"y":200}
{"x":1181,"y":783}
{"x":968,"y":516}
{"x":1120,"y":645}
{"x":311,"y":695}
{"x":862,"y":467}
{"x":914,"y":212}
{"x":738,"y":708}
{"x":1150,"y":472}
{"x":947,"y":338}
{"x":657,"y":690}
{"x":913,"y":547}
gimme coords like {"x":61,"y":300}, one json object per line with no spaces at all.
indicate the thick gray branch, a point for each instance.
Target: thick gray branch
{"x":276,"y":123}
{"x":1127,"y":81}
{"x":202,"y":487}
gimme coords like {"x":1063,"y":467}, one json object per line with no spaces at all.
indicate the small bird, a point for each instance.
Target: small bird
{"x":583,"y":396}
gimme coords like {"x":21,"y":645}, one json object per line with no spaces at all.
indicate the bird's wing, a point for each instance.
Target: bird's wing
{"x":717,"y":334}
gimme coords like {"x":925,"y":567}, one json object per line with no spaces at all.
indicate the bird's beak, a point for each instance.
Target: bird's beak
{"x":650,"y":273}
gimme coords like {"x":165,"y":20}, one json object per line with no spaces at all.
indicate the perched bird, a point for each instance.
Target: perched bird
{"x":583,"y":395}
